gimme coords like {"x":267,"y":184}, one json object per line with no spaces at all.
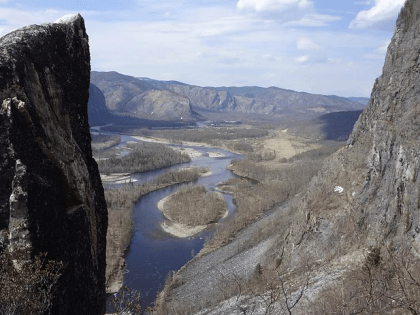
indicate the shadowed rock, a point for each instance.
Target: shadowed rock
{"x":51,"y":196}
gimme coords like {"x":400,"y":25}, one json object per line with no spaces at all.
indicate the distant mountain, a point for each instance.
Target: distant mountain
{"x":331,"y":126}
{"x":253,"y":99}
{"x":97,"y":111}
{"x":362,"y":100}
{"x":129,"y":96}
{"x":172,"y":100}
{"x":100,"y":115}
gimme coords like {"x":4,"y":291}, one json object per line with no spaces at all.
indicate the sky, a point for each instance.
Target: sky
{"x":325,"y":47}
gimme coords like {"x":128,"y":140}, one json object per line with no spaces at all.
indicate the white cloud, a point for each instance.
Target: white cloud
{"x":313,"y":20}
{"x":196,"y":42}
{"x":379,"y":53}
{"x":302,"y":59}
{"x":12,"y":19}
{"x":383,"y":49}
{"x":363,"y":2}
{"x":383,"y":12}
{"x":305,"y":43}
{"x":274,"y":5}
{"x":269,"y":57}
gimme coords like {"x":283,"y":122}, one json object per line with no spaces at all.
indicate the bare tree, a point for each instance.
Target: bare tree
{"x":387,"y":283}
{"x":27,"y":286}
{"x":269,"y":292}
{"x":126,"y":301}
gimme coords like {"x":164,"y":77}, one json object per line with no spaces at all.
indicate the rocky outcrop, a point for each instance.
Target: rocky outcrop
{"x":253,"y":99}
{"x":377,"y":201}
{"x":51,"y":196}
{"x":160,"y":105}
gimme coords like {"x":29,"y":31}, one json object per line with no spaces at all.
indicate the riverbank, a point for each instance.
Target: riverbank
{"x":178,"y":229}
{"x":191,"y":210}
{"x":120,"y":218}
{"x":117,"y":178}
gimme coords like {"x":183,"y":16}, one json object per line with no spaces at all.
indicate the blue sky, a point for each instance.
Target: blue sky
{"x":326,"y":47}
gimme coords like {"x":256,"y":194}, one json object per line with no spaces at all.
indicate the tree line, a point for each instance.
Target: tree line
{"x":143,"y":157}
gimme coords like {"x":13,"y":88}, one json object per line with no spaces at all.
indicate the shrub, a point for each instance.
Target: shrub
{"x":27,"y":285}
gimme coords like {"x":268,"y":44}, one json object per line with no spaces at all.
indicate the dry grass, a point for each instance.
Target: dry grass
{"x":265,"y":188}
{"x":284,"y":145}
{"x":388,"y":282}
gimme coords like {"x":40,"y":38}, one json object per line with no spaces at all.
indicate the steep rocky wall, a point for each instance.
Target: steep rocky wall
{"x":51,"y":196}
{"x":391,"y":123}
{"x":378,"y":170}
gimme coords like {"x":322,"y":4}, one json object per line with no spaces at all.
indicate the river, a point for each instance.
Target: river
{"x":153,"y":253}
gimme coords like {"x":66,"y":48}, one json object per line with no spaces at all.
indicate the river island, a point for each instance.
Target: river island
{"x":191,"y":209}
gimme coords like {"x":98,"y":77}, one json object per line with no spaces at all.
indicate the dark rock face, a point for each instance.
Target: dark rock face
{"x":51,"y":196}
{"x":98,"y":113}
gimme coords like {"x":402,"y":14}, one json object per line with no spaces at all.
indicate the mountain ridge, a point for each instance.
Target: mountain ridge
{"x":126,"y":95}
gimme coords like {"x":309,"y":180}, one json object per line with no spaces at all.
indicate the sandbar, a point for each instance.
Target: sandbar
{"x":215,"y":154}
{"x":191,"y":152}
{"x":117,"y":178}
{"x":181,"y":230}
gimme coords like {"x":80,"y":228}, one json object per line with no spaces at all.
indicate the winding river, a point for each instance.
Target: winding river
{"x":153,"y":253}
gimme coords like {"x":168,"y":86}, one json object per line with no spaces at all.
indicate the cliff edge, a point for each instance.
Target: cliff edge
{"x":51,"y":195}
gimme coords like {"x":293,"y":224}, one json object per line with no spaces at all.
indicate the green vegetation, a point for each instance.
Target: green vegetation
{"x":194,"y":205}
{"x":143,"y":157}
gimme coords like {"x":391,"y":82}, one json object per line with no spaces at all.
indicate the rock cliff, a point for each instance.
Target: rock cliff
{"x":51,"y":196}
{"x":378,"y":169}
